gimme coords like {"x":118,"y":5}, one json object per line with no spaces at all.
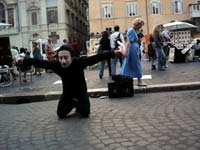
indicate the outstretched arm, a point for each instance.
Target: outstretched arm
{"x":89,"y":61}
{"x":32,"y":61}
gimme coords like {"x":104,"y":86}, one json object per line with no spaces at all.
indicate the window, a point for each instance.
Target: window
{"x":52,"y":16}
{"x":34,"y":18}
{"x":178,"y":6}
{"x":132,"y":9}
{"x":72,"y":19}
{"x":196,"y":7}
{"x":155,"y":7}
{"x":33,"y":14}
{"x":2,"y":13}
{"x":68,"y":15}
{"x":11,"y":16}
{"x":6,"y":15}
{"x":107,"y":11}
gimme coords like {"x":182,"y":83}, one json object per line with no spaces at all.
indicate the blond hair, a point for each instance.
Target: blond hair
{"x":157,"y":28}
{"x":138,"y":21}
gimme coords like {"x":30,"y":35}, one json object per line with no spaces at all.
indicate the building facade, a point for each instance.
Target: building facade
{"x":39,"y":19}
{"x":104,"y":14}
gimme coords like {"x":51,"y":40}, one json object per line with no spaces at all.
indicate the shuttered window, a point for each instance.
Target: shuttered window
{"x":52,"y":16}
{"x":2,"y":13}
{"x":11,"y":16}
{"x":107,"y":11}
{"x":132,"y":9}
{"x":34,"y":18}
{"x":178,"y":6}
{"x":155,"y":7}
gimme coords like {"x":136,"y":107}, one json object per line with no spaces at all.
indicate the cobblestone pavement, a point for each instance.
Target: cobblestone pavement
{"x":155,"y":121}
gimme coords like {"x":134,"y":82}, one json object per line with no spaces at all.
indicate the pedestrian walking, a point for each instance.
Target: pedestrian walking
{"x":152,"y":52}
{"x":104,"y":47}
{"x":24,"y":54}
{"x":49,"y":50}
{"x":71,"y":71}
{"x":159,"y":48}
{"x":114,"y":37}
{"x":132,"y":65}
{"x":36,"y":54}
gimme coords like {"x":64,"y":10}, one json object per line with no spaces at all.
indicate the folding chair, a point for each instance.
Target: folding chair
{"x":5,"y":76}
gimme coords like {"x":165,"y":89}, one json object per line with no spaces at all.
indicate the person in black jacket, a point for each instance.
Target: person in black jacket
{"x":104,"y":47}
{"x":71,"y":71}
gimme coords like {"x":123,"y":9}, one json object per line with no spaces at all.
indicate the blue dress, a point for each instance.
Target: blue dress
{"x":132,"y":64}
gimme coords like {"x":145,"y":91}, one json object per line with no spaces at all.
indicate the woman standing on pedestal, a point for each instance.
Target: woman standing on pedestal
{"x":132,"y":65}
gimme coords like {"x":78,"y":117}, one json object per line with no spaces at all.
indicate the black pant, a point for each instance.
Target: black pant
{"x":166,"y":50}
{"x":67,"y":103}
{"x":197,"y":52}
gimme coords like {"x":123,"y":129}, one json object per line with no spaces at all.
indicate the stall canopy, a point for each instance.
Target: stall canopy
{"x":179,"y":25}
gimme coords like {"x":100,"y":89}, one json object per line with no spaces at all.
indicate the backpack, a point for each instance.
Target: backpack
{"x":117,"y":39}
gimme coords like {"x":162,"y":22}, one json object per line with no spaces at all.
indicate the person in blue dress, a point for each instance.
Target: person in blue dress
{"x":132,"y":64}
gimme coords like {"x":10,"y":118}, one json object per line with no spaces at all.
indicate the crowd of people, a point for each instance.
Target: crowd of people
{"x":157,"y":50}
{"x":37,"y":52}
{"x":131,"y":44}
{"x":134,"y":47}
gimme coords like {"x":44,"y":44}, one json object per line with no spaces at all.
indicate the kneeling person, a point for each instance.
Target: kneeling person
{"x":71,"y":71}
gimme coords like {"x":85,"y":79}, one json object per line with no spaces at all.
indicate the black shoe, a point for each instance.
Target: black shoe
{"x":85,"y":115}
{"x":153,"y":67}
{"x":100,"y":77}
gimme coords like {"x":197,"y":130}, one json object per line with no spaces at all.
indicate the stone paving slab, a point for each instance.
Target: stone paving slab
{"x":148,"y":121}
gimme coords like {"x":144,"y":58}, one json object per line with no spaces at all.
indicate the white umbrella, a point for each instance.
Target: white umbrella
{"x":177,"y":25}
{"x":2,"y":25}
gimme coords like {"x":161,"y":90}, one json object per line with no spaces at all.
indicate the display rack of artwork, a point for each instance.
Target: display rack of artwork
{"x":183,"y":37}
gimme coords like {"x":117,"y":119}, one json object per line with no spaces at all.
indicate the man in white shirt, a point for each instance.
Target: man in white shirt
{"x":113,"y":36}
